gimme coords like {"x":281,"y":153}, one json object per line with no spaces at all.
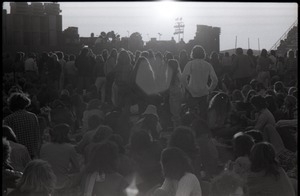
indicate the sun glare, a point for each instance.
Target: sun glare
{"x":167,"y":9}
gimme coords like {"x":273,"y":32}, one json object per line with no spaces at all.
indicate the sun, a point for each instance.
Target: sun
{"x":167,"y":9}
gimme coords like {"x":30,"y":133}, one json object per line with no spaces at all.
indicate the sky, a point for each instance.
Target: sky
{"x":238,"y":21}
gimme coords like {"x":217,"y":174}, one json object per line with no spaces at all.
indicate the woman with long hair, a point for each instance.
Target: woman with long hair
{"x":60,"y":154}
{"x":143,"y":84}
{"x":120,"y":88}
{"x":109,"y":74}
{"x":100,"y":175}
{"x":263,"y":65}
{"x":38,"y":179}
{"x":267,"y":177}
{"x":175,"y":91}
{"x":178,"y":174}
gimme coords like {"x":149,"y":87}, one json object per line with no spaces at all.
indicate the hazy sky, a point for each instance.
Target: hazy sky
{"x":266,"y":21}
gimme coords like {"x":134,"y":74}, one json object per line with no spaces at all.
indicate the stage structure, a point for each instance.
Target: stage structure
{"x":179,"y":28}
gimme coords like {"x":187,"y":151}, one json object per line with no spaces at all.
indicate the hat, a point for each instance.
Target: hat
{"x":151,"y":109}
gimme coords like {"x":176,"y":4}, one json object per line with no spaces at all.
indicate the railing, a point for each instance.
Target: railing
{"x":284,"y":36}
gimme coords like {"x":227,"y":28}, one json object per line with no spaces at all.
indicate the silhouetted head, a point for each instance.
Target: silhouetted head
{"x":198,"y":52}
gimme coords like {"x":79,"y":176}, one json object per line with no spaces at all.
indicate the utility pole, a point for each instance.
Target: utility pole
{"x":159,"y":34}
{"x":235,"y":42}
{"x":179,"y":28}
{"x":248,"y":43}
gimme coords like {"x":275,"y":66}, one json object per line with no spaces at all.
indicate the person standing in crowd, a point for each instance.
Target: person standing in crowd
{"x":25,"y":124}
{"x":84,"y":67}
{"x":159,"y":69}
{"x":273,"y":67}
{"x":226,"y":63}
{"x":241,"y":70}
{"x":7,"y":63}
{"x":291,"y":68}
{"x":175,"y":91}
{"x":18,"y":66}
{"x":54,"y":70}
{"x":195,"y":77}
{"x":31,"y":69}
{"x":100,"y":76}
{"x":71,"y":71}
{"x":109,"y":74}
{"x":281,"y":68}
{"x":62,"y":62}
{"x":183,"y":59}
{"x":253,"y":60}
{"x":143,"y":84}
{"x":263,"y":68}
{"x":215,"y":62}
{"x":121,"y":89}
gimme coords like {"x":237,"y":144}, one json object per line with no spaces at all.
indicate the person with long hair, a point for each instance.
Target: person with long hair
{"x":145,"y":153}
{"x":263,"y":68}
{"x":198,"y":71}
{"x":178,"y":173}
{"x":218,"y":112}
{"x":175,"y":91}
{"x":241,"y":69}
{"x":100,"y":175}
{"x":266,"y":176}
{"x":60,"y":154}
{"x":121,"y":89}
{"x":19,"y":155}
{"x":143,"y":84}
{"x":109,"y":74}
{"x":264,"y":118}
{"x":9,"y":175}
{"x":100,"y":76}
{"x":85,"y":69}
{"x":242,"y":144}
{"x":38,"y":179}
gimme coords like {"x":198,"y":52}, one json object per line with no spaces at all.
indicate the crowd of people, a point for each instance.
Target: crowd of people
{"x":149,"y":124}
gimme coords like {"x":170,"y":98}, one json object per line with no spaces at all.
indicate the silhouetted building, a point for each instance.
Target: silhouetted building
{"x":32,"y":25}
{"x":208,"y":37}
{"x":71,"y":36}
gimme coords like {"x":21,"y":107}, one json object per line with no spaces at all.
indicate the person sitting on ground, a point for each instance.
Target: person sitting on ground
{"x":19,"y":155}
{"x":208,"y":152}
{"x":61,"y":155}
{"x":242,"y":144}
{"x":93,"y":108}
{"x":102,"y":134}
{"x":266,"y":176}
{"x":38,"y":179}
{"x":94,"y":123}
{"x":100,"y":176}
{"x":178,"y":173}
{"x":9,"y":175}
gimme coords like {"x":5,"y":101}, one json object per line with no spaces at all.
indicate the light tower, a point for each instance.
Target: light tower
{"x":179,"y":28}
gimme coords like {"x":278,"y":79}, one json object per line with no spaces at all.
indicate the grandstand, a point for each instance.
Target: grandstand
{"x":288,"y":41}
